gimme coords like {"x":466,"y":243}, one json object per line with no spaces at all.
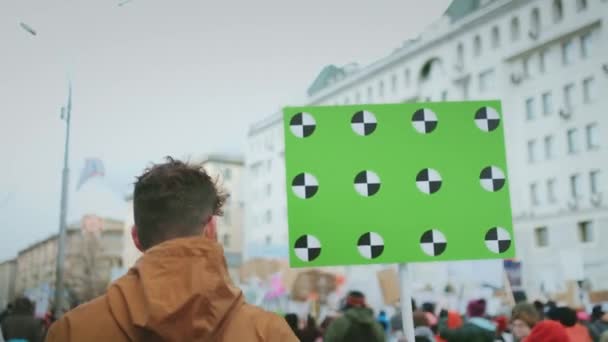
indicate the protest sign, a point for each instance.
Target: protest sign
{"x":396,"y":183}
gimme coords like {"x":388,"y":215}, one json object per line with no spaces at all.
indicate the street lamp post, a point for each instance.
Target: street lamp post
{"x":66,"y":114}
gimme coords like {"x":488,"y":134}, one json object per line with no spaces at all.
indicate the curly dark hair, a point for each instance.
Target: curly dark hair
{"x":174,"y":199}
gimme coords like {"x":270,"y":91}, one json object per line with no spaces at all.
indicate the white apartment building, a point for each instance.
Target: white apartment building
{"x":547,"y":61}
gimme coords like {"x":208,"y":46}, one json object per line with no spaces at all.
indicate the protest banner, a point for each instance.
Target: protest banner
{"x":397,"y":183}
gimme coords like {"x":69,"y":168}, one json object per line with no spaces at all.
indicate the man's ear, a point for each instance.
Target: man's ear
{"x":210,"y":230}
{"x":135,"y":238}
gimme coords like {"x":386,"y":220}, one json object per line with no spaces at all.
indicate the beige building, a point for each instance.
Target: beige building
{"x":130,"y":254}
{"x":228,"y":172}
{"x":7,"y":282}
{"x":91,"y":256}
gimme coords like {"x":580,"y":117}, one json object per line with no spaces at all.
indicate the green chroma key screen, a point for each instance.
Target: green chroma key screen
{"x":393,"y":183}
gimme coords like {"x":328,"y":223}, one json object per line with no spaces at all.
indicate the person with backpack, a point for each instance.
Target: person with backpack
{"x":357,"y":324}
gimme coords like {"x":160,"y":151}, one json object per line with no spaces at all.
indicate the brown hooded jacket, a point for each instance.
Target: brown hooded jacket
{"x":177,"y":291}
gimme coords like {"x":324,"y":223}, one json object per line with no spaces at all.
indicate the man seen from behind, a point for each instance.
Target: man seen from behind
{"x":179,"y":290}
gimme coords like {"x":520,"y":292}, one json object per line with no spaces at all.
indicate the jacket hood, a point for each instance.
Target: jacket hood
{"x":424,"y":332}
{"x":483,"y":323}
{"x":361,"y":315}
{"x":179,"y":290}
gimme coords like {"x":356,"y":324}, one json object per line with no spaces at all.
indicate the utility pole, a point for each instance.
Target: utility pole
{"x":66,"y":115}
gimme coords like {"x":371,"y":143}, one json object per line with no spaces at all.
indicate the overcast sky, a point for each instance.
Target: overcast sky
{"x":154,"y":78}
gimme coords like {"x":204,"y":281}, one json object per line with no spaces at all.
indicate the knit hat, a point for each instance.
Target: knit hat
{"x":476,"y":308}
{"x":354,"y":299}
{"x":548,"y":331}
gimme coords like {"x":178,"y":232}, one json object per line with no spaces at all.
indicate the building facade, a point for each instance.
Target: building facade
{"x":7,"y":282}
{"x":546,"y":61}
{"x":229,"y":173}
{"x":90,"y":259}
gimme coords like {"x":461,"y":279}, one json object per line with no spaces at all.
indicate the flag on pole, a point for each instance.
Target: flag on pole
{"x":93,"y":167}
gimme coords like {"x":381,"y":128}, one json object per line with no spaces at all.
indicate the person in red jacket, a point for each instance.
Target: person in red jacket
{"x":548,"y":331}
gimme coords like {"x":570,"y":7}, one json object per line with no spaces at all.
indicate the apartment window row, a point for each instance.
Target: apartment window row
{"x":382,"y":88}
{"x":533,"y":155}
{"x":569,"y":47}
{"x":573,"y":143}
{"x":568,"y":51}
{"x":569,"y":96}
{"x":592,"y":138}
{"x":515,"y":28}
{"x":584,"y":230}
{"x":575,"y":188}
{"x":557,"y":14}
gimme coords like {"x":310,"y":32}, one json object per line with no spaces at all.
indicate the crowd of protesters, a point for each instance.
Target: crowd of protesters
{"x":180,"y":290}
{"x":528,"y":322}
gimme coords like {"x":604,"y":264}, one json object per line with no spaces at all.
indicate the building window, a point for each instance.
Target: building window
{"x":558,"y":11}
{"x":551,"y":198}
{"x":568,"y":52}
{"x":226,"y":240}
{"x":542,"y":61}
{"x":525,"y":65}
{"x":593,"y":136}
{"x":581,"y":5}
{"x":268,"y":240}
{"x":534,"y":194}
{"x":535,"y":21}
{"x":486,"y":80}
{"x":477,"y":45}
{"x":227,"y":217}
{"x":547,"y":103}
{"x":515,"y":30}
{"x":495,"y":37}
{"x":370,"y":94}
{"x":549,"y":147}
{"x":572,"y":141}
{"x":569,"y":99}
{"x":227,"y":174}
{"x":575,"y":186}
{"x":585,"y":231}
{"x":530,"y":108}
{"x":459,"y":55}
{"x":531,"y":151}
{"x":407,"y":79}
{"x":268,"y":189}
{"x":357,"y":97}
{"x":594,"y":180}
{"x":381,"y":89}
{"x":394,"y":83}
{"x":541,"y":235}
{"x":588,"y":90}
{"x":444,"y":95}
{"x":268,"y":216}
{"x":586,"y":44}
